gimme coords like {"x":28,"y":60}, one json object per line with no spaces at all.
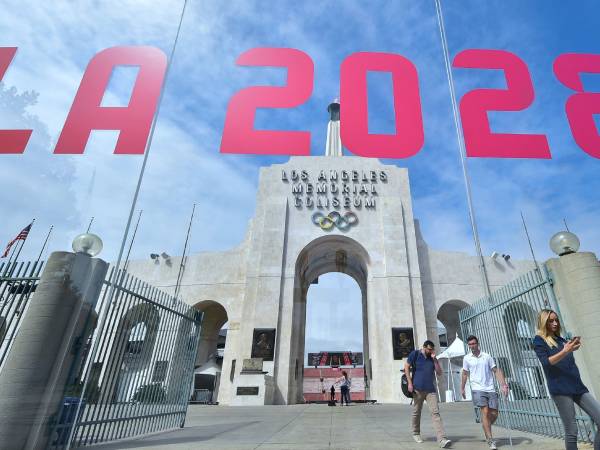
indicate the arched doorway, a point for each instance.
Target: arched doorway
{"x":448,"y":316}
{"x":323,"y":255}
{"x":131,"y":352}
{"x":333,"y":337}
{"x":519,"y":325}
{"x":521,"y":367}
{"x":209,"y":358}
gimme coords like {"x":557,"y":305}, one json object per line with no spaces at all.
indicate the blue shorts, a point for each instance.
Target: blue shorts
{"x":482,"y":398}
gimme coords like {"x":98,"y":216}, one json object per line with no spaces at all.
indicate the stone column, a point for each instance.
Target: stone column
{"x":577,"y":288}
{"x":55,"y":325}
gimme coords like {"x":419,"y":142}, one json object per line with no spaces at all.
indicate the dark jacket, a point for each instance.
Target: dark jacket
{"x":563,"y":378}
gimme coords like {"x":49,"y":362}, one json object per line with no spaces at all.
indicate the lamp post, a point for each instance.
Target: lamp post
{"x":87,"y":243}
{"x":564,"y":243}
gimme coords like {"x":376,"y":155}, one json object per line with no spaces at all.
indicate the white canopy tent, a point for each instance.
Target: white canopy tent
{"x":210,"y":367}
{"x":456,"y":350}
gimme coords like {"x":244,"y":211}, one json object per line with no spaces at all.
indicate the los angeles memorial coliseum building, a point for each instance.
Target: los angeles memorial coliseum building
{"x":316,"y":215}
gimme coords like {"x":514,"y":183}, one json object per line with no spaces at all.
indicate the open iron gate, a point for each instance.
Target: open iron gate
{"x":135,"y":374}
{"x":505,"y":325}
{"x":18,"y":282}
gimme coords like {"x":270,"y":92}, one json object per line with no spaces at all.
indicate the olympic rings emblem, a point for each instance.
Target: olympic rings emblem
{"x":334,"y":219}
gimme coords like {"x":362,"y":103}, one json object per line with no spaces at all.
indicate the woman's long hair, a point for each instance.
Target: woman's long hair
{"x":345,"y":374}
{"x":542,"y":327}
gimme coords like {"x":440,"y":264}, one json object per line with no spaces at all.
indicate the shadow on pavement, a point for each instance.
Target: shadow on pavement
{"x":182,"y":436}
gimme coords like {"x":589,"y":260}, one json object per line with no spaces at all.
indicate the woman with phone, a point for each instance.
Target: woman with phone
{"x":344,"y":388}
{"x":564,"y":382}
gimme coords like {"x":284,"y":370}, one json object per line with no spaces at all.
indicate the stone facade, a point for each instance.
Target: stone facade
{"x":263,"y":282}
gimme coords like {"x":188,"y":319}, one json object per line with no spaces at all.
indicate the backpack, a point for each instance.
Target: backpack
{"x":404,"y":381}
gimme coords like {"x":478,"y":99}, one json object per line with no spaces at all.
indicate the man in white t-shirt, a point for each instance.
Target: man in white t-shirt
{"x":480,"y":368}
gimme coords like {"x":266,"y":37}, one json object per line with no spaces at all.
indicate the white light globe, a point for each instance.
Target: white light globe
{"x":564,"y":242}
{"x":87,"y":243}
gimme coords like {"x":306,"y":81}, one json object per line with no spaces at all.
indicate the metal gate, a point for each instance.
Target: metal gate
{"x":18,"y":282}
{"x":505,"y":325}
{"x":135,"y":374}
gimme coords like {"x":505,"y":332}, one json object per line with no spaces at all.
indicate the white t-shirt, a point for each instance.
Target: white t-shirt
{"x":480,"y":371}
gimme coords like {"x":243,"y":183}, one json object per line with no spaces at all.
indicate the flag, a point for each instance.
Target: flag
{"x":20,"y":237}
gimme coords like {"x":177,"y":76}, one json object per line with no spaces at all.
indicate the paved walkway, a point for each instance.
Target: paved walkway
{"x":320,"y":427}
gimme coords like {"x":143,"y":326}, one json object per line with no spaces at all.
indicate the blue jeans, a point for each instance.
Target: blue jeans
{"x":566,"y":409}
{"x":345,"y":395}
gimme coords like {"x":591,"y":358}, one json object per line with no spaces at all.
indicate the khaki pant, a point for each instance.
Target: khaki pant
{"x":432,"y":403}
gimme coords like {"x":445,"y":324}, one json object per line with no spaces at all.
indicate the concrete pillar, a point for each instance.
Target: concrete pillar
{"x":577,"y":288}
{"x":58,"y":319}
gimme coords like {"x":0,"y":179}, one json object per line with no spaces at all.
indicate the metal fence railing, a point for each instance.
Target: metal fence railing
{"x":202,"y":396}
{"x":505,"y":324}
{"x":136,"y":372}
{"x":18,"y":282}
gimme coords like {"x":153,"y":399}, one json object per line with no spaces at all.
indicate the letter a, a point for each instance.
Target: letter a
{"x":11,"y":141}
{"x":133,"y":121}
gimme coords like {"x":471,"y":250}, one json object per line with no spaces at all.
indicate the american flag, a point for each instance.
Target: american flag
{"x":20,"y":237}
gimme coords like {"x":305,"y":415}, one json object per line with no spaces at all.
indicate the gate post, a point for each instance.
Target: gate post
{"x":577,"y":288}
{"x":33,"y":379}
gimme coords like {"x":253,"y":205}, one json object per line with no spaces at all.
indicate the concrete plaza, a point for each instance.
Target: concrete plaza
{"x":313,"y":426}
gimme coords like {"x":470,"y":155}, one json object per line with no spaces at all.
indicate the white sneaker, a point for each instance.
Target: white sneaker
{"x":445,"y":443}
{"x":417,"y":438}
{"x":492,"y":444}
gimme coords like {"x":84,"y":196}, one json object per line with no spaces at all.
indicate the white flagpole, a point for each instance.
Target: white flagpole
{"x":44,"y":245}
{"x":183,"y":257}
{"x":90,"y":225}
{"x":461,"y":148}
{"x":12,"y":252}
{"x":132,"y":240}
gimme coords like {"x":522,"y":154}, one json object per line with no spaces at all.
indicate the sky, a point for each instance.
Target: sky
{"x":56,"y":40}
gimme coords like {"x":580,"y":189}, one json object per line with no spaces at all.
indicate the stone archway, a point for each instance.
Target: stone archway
{"x":519,"y":325}
{"x":131,"y":351}
{"x":520,"y":364}
{"x":323,"y":255}
{"x":448,"y":315}
{"x":214,"y":316}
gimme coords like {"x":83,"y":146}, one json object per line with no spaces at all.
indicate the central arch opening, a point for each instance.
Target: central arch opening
{"x":337,"y":256}
{"x":334,"y":337}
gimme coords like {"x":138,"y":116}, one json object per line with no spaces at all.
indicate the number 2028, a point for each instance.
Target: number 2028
{"x":239,"y":135}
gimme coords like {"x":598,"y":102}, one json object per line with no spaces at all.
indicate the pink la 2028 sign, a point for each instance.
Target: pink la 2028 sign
{"x":239,"y":136}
